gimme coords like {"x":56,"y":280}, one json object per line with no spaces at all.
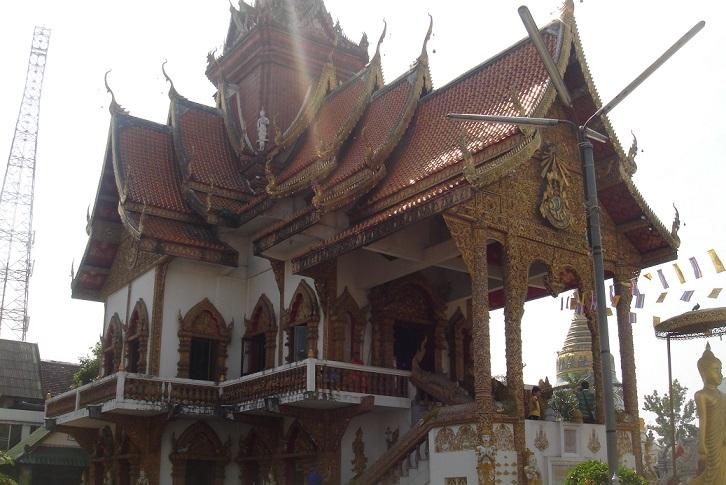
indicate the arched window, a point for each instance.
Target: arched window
{"x":301,"y":324}
{"x":258,"y":343}
{"x":203,"y":339}
{"x":198,"y":456}
{"x":112,"y":343}
{"x":254,"y":459}
{"x":137,"y":338}
{"x":348,"y":325}
{"x":301,"y":453}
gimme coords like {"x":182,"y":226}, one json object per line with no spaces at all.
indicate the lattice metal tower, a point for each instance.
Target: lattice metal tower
{"x":16,"y":197}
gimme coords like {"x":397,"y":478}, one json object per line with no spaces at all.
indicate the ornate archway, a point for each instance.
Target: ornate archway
{"x":255,"y":459}
{"x":259,"y":338}
{"x":112,"y":345}
{"x":301,"y":453}
{"x":303,"y":312}
{"x":137,"y":339}
{"x":411,"y":307}
{"x":199,"y":447}
{"x":348,"y":324}
{"x":203,"y":323}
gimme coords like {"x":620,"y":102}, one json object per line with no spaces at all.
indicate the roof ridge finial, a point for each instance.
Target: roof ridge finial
{"x":335,"y":46}
{"x":377,"y":55}
{"x":424,"y":53}
{"x":172,"y":89}
{"x":567,"y":11}
{"x":114,"y":107}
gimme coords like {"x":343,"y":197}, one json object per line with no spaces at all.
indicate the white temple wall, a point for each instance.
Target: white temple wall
{"x":261,"y":280}
{"x":188,"y":283}
{"x":115,"y":303}
{"x":374,"y":426}
{"x":122,"y":301}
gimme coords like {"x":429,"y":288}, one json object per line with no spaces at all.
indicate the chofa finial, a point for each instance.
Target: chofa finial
{"x":114,"y":107}
{"x":172,"y":89}
{"x":380,"y":39}
{"x":428,"y":35}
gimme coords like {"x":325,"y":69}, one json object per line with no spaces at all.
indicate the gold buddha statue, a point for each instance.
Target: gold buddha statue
{"x":711,"y":408}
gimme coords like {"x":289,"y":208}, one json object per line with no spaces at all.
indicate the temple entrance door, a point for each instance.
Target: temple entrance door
{"x":407,"y":337}
{"x":199,"y":472}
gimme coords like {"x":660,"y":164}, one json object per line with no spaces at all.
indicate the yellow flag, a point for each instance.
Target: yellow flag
{"x":648,"y":276}
{"x":716,"y":261}
{"x":609,"y":312}
{"x":679,"y":273}
{"x":715,"y":292}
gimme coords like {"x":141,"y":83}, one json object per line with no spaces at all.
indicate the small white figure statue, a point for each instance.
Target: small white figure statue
{"x":262,"y":123}
{"x":142,"y":480}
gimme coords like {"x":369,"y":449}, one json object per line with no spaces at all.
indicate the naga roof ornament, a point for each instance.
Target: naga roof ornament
{"x":114,"y":107}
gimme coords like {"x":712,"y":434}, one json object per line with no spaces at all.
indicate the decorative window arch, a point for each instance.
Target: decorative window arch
{"x":254,"y":459}
{"x":259,"y":338}
{"x":112,"y":345}
{"x":203,"y":323}
{"x":348,"y":326}
{"x":198,"y":443}
{"x":301,"y":452}
{"x":137,"y":338}
{"x":303,"y":311}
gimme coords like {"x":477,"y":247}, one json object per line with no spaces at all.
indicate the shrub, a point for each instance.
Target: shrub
{"x":594,"y":472}
{"x":564,"y":403}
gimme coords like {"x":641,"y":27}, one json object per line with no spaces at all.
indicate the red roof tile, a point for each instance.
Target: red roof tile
{"x":432,"y":143}
{"x":381,"y":116}
{"x":204,"y":139}
{"x":336,"y":108}
{"x":146,"y":158}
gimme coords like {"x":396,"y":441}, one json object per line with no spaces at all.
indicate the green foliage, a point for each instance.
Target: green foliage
{"x":594,"y":472}
{"x":5,"y":460}
{"x":90,"y":367}
{"x":684,"y":413}
{"x":564,"y":402}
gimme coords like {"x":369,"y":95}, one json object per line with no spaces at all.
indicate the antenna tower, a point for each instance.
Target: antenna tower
{"x":16,"y":197}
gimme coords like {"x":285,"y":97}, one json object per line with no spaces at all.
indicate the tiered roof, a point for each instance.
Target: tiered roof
{"x":386,"y":156}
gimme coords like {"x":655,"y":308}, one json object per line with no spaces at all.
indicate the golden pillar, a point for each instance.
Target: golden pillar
{"x":627,"y":360}
{"x":516,"y":272}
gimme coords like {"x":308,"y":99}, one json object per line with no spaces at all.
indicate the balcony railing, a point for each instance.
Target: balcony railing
{"x":310,"y":379}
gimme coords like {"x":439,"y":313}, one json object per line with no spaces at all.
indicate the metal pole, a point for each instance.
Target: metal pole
{"x":595,"y":239}
{"x":673,"y":416}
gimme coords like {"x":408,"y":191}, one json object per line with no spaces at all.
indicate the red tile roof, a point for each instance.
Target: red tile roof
{"x":206,"y":147}
{"x":145,"y":159}
{"x":381,"y":116}
{"x":332,"y":116}
{"x":432,"y":143}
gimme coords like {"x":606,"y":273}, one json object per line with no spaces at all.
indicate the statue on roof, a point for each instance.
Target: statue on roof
{"x":676,"y":223}
{"x":262,"y":123}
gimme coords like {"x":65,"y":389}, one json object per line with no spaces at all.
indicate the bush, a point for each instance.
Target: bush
{"x":594,"y":472}
{"x":564,"y":403}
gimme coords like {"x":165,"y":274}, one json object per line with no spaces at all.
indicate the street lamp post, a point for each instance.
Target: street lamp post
{"x":584,"y":135}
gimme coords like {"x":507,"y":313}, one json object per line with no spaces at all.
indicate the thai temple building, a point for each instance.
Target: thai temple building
{"x":297,"y":280}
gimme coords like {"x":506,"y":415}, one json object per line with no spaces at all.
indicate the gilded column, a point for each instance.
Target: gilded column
{"x":585,"y":290}
{"x":627,"y":358}
{"x":516,"y":272}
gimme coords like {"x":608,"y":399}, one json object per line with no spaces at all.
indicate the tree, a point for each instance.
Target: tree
{"x":5,"y":460}
{"x":684,"y":413}
{"x":90,"y":366}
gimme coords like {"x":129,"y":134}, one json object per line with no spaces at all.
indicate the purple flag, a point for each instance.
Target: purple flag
{"x":687,"y":295}
{"x":662,"y":279}
{"x":696,"y":268}
{"x":640,"y":300}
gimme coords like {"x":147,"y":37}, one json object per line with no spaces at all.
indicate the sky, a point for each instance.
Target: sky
{"x":676,"y":116}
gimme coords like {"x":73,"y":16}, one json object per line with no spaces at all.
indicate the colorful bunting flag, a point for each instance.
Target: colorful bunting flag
{"x":696,"y":268}
{"x":662,"y":297}
{"x":634,"y":287}
{"x":714,"y":293}
{"x":662,"y":279}
{"x":648,"y":276}
{"x":687,"y":295}
{"x":656,"y":321}
{"x":640,"y":301}
{"x":633,"y":318}
{"x":717,"y":264}
{"x":562,"y":303}
{"x":679,"y":273}
{"x":612,"y":291}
